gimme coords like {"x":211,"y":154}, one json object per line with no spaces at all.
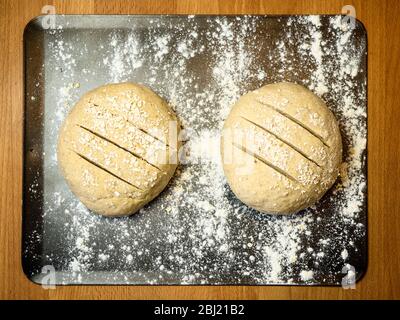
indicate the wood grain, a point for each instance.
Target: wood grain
{"x":383,"y":25}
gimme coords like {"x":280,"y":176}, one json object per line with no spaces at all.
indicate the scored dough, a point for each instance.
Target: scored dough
{"x":117,"y":148}
{"x":281,"y":148}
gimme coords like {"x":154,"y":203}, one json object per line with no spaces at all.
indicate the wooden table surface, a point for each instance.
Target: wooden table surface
{"x":380,"y":17}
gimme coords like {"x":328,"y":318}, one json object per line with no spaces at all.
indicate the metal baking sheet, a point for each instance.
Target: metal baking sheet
{"x":196,"y":231}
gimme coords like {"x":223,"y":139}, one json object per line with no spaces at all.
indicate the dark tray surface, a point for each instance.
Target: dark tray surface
{"x":196,"y":231}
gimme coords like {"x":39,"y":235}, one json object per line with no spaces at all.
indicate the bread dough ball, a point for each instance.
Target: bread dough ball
{"x":117,"y":148}
{"x":281,"y":148}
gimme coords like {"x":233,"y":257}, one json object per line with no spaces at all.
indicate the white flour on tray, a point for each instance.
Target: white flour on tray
{"x":205,"y":231}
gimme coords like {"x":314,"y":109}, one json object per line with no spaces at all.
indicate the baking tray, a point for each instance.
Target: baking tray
{"x":196,"y":231}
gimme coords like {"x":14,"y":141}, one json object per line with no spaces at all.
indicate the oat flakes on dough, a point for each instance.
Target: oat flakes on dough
{"x":115,"y":150}
{"x":293,"y":152}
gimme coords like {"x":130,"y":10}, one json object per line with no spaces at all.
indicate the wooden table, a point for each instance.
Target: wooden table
{"x":381,"y":19}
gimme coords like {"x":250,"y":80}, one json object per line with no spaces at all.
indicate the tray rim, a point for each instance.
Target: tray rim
{"x":33,"y":22}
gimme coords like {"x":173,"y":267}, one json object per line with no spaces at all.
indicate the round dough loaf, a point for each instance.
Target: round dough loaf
{"x":281,"y":148}
{"x":117,"y":148}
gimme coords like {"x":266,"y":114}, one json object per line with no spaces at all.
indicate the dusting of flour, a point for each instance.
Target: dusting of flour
{"x":197,"y":232}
